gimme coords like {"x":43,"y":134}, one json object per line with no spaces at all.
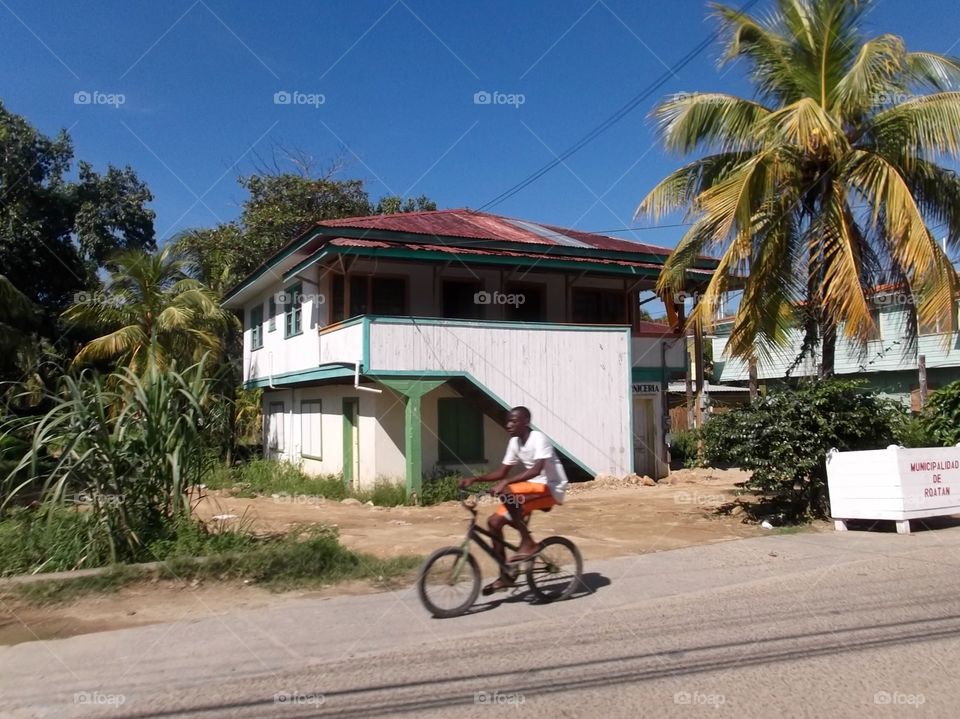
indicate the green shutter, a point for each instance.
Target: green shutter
{"x":292,"y":311}
{"x":460,"y":431}
{"x":256,"y":327}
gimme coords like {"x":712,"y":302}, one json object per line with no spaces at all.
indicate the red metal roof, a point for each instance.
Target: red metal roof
{"x":473,"y":225}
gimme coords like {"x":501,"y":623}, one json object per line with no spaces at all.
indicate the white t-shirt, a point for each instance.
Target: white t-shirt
{"x":538,"y":447}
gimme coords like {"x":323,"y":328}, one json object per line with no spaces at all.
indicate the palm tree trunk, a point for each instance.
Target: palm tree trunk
{"x":829,"y":344}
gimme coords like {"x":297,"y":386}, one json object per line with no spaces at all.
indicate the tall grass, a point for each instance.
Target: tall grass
{"x":125,"y":447}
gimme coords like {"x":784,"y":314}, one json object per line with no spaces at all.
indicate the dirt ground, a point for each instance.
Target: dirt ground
{"x":606,"y":518}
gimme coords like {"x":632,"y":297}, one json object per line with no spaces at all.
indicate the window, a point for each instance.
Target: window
{"x":310,"y":432}
{"x":460,"y":431}
{"x":256,"y":327}
{"x":369,"y":295}
{"x":461,"y":300}
{"x":602,"y":307}
{"x":293,"y":311}
{"x":875,"y":334}
{"x":273,"y":314}
{"x":275,"y":427}
{"x":531,"y":309}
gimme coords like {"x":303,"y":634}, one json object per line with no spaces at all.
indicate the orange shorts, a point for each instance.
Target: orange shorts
{"x":531,"y":496}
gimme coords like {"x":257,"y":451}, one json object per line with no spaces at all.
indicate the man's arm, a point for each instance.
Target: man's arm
{"x":494,"y":476}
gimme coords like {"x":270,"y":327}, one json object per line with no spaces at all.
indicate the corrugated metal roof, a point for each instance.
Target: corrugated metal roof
{"x":473,"y":225}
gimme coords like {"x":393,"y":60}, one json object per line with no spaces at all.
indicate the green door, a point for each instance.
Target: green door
{"x":351,"y":440}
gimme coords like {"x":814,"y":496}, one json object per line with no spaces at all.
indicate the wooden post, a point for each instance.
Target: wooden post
{"x":922,"y":366}
{"x":753,"y":378}
{"x":698,"y":359}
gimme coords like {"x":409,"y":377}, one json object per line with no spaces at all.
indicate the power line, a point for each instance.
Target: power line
{"x":615,"y":117}
{"x":648,"y":227}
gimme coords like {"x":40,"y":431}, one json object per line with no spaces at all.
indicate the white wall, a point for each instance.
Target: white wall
{"x":577,"y":384}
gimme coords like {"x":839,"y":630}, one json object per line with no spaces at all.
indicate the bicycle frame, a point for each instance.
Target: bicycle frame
{"x":476,"y":534}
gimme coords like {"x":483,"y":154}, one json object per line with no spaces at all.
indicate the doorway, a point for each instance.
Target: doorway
{"x":351,"y":441}
{"x":645,"y":447}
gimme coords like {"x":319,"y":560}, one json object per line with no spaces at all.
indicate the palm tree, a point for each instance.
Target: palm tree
{"x":155,"y":314}
{"x":823,"y":186}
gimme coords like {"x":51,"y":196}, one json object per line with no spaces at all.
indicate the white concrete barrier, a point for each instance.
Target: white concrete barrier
{"x":894,"y":483}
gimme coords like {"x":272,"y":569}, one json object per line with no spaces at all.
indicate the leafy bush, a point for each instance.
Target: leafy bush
{"x":683,"y":447}
{"x":784,"y":438}
{"x":912,"y":431}
{"x":440,"y":489}
{"x":941,"y":417}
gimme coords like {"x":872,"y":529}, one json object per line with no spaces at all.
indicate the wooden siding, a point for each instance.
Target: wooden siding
{"x":342,"y":345}
{"x":575,"y":382}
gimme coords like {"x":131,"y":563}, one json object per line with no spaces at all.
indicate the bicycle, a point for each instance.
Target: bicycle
{"x":552,"y":574}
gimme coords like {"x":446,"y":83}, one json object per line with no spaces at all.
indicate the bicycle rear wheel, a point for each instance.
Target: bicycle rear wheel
{"x":449,"y":582}
{"x":554,"y":573}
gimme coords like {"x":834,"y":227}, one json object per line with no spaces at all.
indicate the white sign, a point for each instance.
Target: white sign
{"x":894,"y":483}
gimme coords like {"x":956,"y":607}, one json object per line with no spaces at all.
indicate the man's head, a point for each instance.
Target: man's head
{"x":518,"y":422}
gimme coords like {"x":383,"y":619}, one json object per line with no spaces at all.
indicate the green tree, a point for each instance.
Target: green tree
{"x":394,"y":204}
{"x":55,"y":233}
{"x":280,"y":207}
{"x":824,"y":186}
{"x":154,"y":313}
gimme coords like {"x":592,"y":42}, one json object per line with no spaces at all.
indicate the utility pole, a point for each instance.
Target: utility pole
{"x":922,"y":367}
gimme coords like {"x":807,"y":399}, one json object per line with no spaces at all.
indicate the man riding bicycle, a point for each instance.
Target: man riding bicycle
{"x":540,"y":485}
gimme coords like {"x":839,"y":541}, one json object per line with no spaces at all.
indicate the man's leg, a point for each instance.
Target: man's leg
{"x":495,"y":525}
{"x":515,"y":504}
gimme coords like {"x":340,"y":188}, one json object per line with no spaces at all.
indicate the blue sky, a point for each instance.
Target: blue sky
{"x":397,"y":80}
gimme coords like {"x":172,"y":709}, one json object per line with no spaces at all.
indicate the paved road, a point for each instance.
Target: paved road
{"x":852,"y":624}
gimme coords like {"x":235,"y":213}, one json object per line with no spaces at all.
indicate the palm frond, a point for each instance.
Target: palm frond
{"x":679,"y":188}
{"x":873,"y":75}
{"x":925,"y":126}
{"x":725,"y":123}
{"x":932,"y":71}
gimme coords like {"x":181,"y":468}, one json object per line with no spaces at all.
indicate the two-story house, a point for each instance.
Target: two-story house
{"x":890,"y":363}
{"x":389,"y":346}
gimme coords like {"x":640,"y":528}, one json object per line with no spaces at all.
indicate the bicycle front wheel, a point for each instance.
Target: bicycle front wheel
{"x":449,"y":582}
{"x":554,"y":573}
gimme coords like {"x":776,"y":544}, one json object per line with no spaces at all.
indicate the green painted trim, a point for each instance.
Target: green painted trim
{"x":652,"y":374}
{"x":380,"y":376}
{"x":486,"y":324}
{"x":413,"y":389}
{"x":346,"y":406}
{"x":313,"y":259}
{"x":506,"y":246}
{"x":426,"y":255}
{"x":366,"y":343}
{"x":268,"y":264}
{"x":288,"y":378}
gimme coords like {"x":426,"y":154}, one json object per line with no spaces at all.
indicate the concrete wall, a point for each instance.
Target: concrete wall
{"x":382,"y":432}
